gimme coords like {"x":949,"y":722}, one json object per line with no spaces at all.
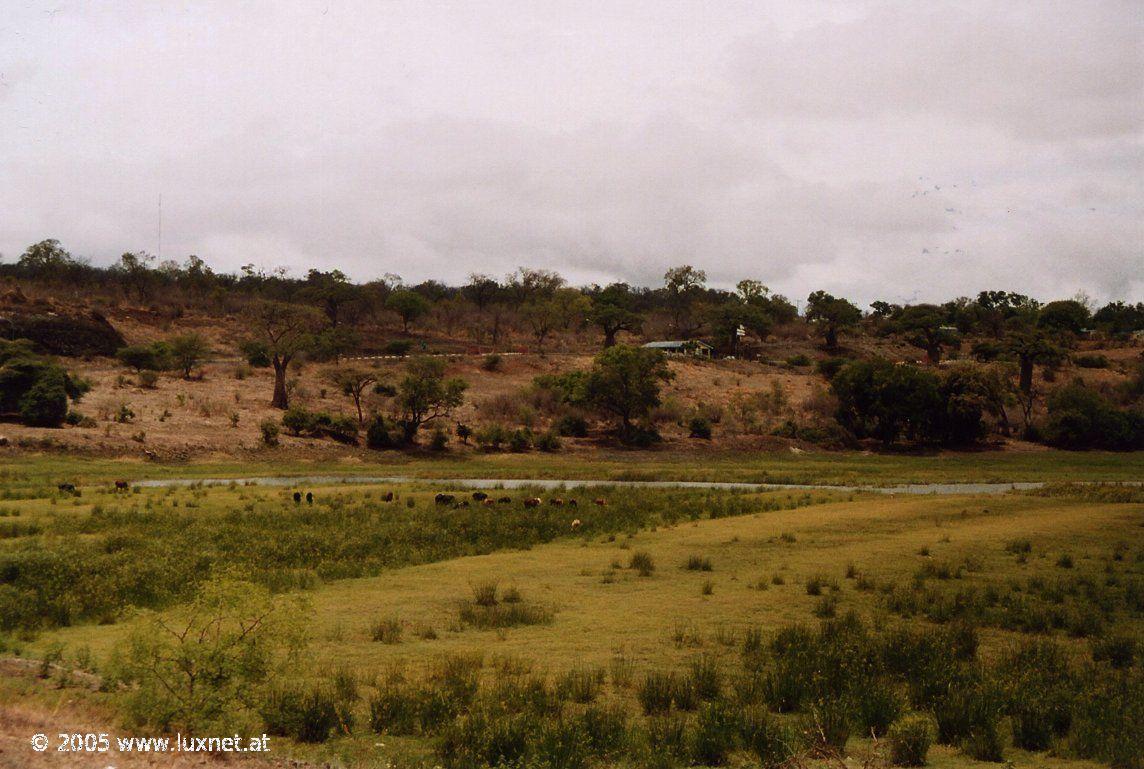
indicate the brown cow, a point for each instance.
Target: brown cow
{"x":387,"y":496}
{"x":556,"y":501}
{"x":489,"y":503}
{"x":532,"y":502}
{"x":576,"y":525}
{"x":600,"y":501}
{"x":571,"y":503}
{"x":504,"y":501}
{"x":122,"y":486}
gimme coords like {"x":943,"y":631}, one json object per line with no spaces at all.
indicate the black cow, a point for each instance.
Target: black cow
{"x":297,"y":497}
{"x":309,"y":497}
{"x":444,"y":499}
{"x":480,"y":496}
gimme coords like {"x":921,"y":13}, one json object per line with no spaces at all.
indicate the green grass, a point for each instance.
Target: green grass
{"x":584,"y":616}
{"x":838,"y":468}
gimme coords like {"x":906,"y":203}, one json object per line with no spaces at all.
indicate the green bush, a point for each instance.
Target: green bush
{"x":492,"y":437}
{"x":439,"y":441}
{"x":491,"y":362}
{"x":716,"y":734}
{"x":45,"y":404}
{"x":381,"y":433}
{"x":520,"y":440}
{"x":145,"y":357}
{"x":910,"y":738}
{"x":762,"y":734}
{"x":269,"y":431}
{"x":700,"y":428}
{"x":642,"y":562}
{"x":572,"y":426}
{"x":548,"y":441}
{"x":307,"y":715}
{"x":1091,"y":361}
{"x":1081,"y":418}
{"x":799,"y":360}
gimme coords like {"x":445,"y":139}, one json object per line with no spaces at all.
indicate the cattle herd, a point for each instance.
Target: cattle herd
{"x":441,"y":498}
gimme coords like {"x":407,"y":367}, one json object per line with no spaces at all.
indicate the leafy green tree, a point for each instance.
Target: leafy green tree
{"x":202,"y":666}
{"x":187,"y":351}
{"x":424,"y":395}
{"x":332,"y":292}
{"x":286,"y":330}
{"x":624,"y":383}
{"x":145,"y":357}
{"x":614,"y":310}
{"x":35,"y":388}
{"x":1030,"y":346}
{"x":409,"y":306}
{"x":831,"y":315}
{"x":353,"y":381}
{"x":542,"y":315}
{"x":46,"y":258}
{"x":683,"y":287}
{"x":1118,"y":318}
{"x":1082,"y":418}
{"x":1064,"y":316}
{"x":924,"y":327}
{"x":135,"y":270}
{"x":877,"y":399}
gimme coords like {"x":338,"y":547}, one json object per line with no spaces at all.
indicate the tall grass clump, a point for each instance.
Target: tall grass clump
{"x":910,"y":738}
{"x":642,"y":563}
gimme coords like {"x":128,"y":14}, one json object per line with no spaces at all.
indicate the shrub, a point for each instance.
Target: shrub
{"x":656,"y":692}
{"x":492,"y":362}
{"x":798,"y":360}
{"x":520,"y":440}
{"x":1080,"y":418}
{"x":307,"y":715}
{"x":700,"y":428}
{"x":910,"y":738}
{"x":257,"y":354}
{"x":45,"y":404}
{"x":439,"y":441}
{"x":1091,"y":361}
{"x":830,"y":366}
{"x":985,"y":742}
{"x":463,"y":433}
{"x":878,"y":704}
{"x":581,"y":684}
{"x":145,"y":357}
{"x":642,"y":562}
{"x":766,"y":738}
{"x":1117,"y":650}
{"x":147,"y":379}
{"x":492,"y":437}
{"x":698,"y":563}
{"x":503,"y":615}
{"x":572,"y":426}
{"x":381,"y":433}
{"x":706,"y":680}
{"x":386,"y":630}
{"x":398,"y":347}
{"x":716,"y":734}
{"x":548,"y":441}
{"x":269,"y":431}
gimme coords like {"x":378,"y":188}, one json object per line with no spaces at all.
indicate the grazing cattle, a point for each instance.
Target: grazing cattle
{"x":480,"y":496}
{"x":504,"y":501}
{"x":309,"y":497}
{"x":387,"y":496}
{"x":599,"y":501}
{"x":576,"y":525}
{"x":444,"y":499}
{"x":556,"y":501}
{"x":571,"y":503}
{"x":122,"y":486}
{"x":297,"y":497}
{"x":488,"y":503}
{"x":532,"y":502}
{"x":67,"y":488}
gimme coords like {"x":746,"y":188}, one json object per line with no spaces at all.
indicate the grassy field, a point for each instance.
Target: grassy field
{"x":406,"y":598}
{"x":835,"y":468}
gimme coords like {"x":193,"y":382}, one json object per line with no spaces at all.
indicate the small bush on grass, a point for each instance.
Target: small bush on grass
{"x":698,"y":563}
{"x":910,"y":738}
{"x":762,"y":734}
{"x":581,"y":684}
{"x":642,"y":562}
{"x":706,"y":679}
{"x":307,"y":715}
{"x":877,"y":706}
{"x":716,"y":734}
{"x":386,"y":630}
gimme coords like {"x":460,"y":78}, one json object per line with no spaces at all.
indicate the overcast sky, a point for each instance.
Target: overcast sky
{"x":914,"y":150}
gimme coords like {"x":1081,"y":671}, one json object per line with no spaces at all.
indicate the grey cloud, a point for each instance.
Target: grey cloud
{"x":787,"y":141}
